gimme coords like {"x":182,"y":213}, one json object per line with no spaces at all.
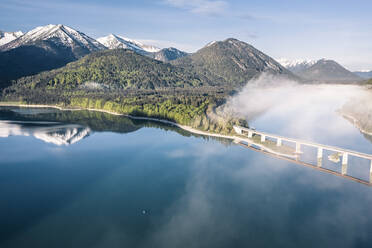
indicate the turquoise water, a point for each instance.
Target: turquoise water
{"x":83,"y":179}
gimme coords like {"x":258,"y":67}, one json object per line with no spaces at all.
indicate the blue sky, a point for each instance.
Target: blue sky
{"x":340,"y":30}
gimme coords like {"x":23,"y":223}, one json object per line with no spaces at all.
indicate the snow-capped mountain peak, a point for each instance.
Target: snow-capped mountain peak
{"x":147,"y":48}
{"x":113,"y":41}
{"x":297,"y":65}
{"x":59,"y":34}
{"x":6,"y":37}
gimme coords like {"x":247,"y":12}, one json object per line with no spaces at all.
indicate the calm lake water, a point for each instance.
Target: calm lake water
{"x":86,"y":179}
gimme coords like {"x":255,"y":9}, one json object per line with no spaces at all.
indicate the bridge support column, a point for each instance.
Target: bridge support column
{"x":320,"y":153}
{"x":370,"y":173}
{"x":344,"y":163}
{"x":278,"y":142}
{"x":263,"y":138}
{"x":320,"y":156}
{"x":319,"y":164}
{"x":298,"y":148}
{"x":250,"y":134}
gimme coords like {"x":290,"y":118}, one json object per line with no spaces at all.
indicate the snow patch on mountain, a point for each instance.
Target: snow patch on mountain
{"x":147,"y":48}
{"x":6,"y":37}
{"x":297,"y":65}
{"x":113,"y":41}
{"x":210,"y":43}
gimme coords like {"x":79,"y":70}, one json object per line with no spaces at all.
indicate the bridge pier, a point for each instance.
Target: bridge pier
{"x":344,"y":163}
{"x":370,"y":173}
{"x":250,"y":134}
{"x":344,"y":169}
{"x":298,"y":147}
{"x":344,"y":158}
{"x":320,"y":156}
{"x":263,"y":138}
{"x":278,"y":142}
{"x":319,"y":164}
{"x":320,"y":153}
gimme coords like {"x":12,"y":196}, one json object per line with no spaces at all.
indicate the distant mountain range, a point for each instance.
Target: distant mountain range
{"x":323,"y":70}
{"x":230,"y":61}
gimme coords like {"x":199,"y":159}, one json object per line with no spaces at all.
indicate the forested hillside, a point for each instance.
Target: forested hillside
{"x":114,"y":69}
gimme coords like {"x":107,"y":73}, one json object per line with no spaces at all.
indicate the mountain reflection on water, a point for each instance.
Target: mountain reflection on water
{"x":68,"y":127}
{"x":49,"y":132}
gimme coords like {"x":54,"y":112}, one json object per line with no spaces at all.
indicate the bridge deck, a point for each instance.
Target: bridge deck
{"x":308,"y":143}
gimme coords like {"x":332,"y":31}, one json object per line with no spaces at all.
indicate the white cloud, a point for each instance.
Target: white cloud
{"x":208,"y":7}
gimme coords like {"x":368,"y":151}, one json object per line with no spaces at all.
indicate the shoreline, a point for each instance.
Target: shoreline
{"x":187,"y":128}
{"x":355,"y":123}
{"x":235,"y":139}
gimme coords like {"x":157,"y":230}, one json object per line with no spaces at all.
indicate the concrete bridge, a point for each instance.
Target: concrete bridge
{"x":345,"y":153}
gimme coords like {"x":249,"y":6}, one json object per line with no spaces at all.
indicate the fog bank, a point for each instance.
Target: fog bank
{"x":285,"y":107}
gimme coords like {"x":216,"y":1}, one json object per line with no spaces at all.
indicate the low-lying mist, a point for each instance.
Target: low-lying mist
{"x":285,"y":107}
